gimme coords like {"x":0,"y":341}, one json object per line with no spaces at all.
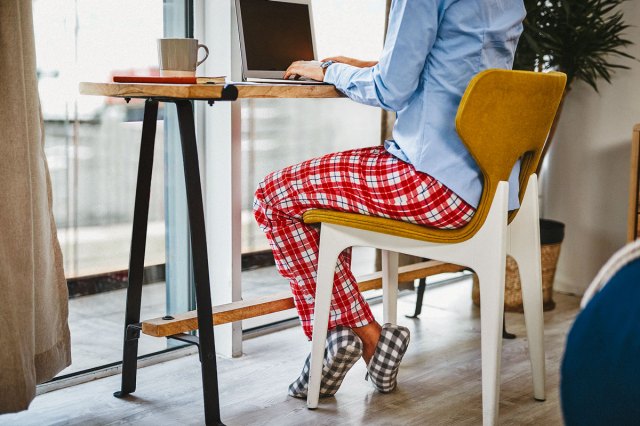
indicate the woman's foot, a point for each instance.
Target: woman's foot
{"x":369,"y":334}
{"x":343,"y":350}
{"x":385,"y":362}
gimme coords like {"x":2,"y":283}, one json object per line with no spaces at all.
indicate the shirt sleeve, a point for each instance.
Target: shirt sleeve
{"x":413,"y":25}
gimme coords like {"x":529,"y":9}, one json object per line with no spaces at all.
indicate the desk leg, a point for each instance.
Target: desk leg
{"x":136,"y":256}
{"x":200,"y":262}
{"x":420,"y":296}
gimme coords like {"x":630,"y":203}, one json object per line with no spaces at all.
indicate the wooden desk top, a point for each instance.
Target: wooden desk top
{"x":208,"y":91}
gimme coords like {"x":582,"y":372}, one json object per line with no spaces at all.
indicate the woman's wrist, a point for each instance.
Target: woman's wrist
{"x":325,"y":65}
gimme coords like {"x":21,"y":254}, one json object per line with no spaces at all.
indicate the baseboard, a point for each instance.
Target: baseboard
{"x":116,"y":280}
{"x":109,"y":281}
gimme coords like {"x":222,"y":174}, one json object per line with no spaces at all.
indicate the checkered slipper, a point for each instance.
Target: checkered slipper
{"x":385,"y":362}
{"x":343,"y":350}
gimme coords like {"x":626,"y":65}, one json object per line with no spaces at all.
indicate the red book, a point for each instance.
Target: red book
{"x":167,"y":80}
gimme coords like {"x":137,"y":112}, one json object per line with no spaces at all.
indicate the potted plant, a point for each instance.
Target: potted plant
{"x":583,"y":39}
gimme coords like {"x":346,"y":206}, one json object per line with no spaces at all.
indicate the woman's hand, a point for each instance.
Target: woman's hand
{"x":351,"y":61}
{"x":306,"y":69}
{"x":313,"y":71}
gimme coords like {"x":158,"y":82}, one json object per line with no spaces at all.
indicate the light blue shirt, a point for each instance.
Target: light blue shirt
{"x":432,"y":50}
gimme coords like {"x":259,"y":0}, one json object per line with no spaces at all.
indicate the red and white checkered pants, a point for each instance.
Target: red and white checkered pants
{"x":367,"y":181}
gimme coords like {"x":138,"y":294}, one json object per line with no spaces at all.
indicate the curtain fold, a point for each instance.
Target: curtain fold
{"x":34,"y":334}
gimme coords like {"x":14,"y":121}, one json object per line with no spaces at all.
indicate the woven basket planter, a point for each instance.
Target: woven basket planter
{"x":551,"y":235}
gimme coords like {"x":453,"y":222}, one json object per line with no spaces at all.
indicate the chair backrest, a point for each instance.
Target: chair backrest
{"x":503,"y":116}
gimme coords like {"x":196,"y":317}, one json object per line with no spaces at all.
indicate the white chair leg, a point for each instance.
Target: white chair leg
{"x":525,"y":249}
{"x":330,"y":249}
{"x":389,"y":286}
{"x":531,"y":280}
{"x":491,"y":279}
{"x":490,"y":263}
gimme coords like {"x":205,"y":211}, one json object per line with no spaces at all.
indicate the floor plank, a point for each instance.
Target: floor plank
{"x":439,"y":382}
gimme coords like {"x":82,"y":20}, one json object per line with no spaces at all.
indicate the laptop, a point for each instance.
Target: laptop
{"x":273,"y":34}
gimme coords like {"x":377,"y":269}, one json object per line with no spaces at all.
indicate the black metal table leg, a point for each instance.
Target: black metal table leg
{"x":200,"y":262}
{"x":420,"y":291}
{"x":505,"y":333}
{"x":138,"y":245}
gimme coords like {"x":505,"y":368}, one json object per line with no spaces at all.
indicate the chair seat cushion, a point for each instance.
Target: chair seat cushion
{"x":382,"y":225}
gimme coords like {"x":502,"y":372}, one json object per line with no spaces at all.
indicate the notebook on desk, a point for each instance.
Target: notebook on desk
{"x":273,"y":34}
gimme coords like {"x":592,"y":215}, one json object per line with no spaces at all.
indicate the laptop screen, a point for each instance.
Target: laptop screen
{"x":275,"y":33}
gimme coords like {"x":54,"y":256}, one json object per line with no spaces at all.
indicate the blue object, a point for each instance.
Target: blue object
{"x":432,"y":50}
{"x":600,"y":374}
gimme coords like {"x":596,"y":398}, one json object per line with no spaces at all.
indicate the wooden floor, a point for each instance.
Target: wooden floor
{"x":439,"y":382}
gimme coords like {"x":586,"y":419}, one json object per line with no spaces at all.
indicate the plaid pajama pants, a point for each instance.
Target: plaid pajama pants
{"x":367,"y":181}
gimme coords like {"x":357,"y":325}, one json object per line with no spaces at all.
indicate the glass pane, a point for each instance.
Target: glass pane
{"x":281,"y":132}
{"x":92,"y":144}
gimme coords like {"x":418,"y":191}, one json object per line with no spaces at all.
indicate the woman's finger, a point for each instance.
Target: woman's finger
{"x":291,"y":71}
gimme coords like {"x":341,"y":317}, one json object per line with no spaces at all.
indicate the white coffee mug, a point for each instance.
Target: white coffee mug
{"x":178,"y":57}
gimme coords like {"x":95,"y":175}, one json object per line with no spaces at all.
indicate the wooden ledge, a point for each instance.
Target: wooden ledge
{"x":245,"y":309}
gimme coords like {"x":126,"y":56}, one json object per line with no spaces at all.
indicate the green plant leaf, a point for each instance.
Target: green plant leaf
{"x":583,"y":38}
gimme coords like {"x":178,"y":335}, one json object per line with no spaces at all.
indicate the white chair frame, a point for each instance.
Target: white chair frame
{"x":485,"y":253}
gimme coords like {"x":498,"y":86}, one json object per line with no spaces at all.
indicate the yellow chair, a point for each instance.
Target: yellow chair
{"x":503,"y":116}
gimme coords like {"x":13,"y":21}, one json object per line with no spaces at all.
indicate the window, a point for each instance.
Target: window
{"x":280,"y":132}
{"x":92,"y":145}
{"x":92,"y":142}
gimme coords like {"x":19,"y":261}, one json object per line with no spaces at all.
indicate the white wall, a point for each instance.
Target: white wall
{"x":587,"y":176}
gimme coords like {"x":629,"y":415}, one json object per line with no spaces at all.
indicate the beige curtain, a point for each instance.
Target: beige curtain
{"x":34,"y":335}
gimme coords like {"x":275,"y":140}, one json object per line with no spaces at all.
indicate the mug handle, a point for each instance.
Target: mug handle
{"x":206,"y":50}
